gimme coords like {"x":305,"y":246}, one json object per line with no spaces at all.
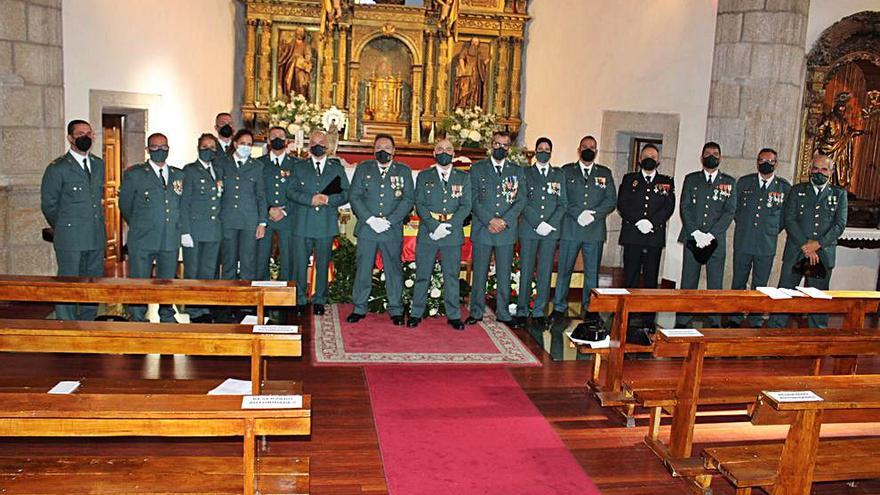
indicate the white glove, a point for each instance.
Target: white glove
{"x":585,"y":218}
{"x":378,"y":225}
{"x":703,"y":239}
{"x":544,"y":229}
{"x":645,"y":226}
{"x":186,"y":241}
{"x":442,"y":230}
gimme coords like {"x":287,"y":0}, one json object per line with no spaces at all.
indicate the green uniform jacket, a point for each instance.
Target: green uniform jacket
{"x":200,"y":204}
{"x":759,"y":215}
{"x":496,"y":196}
{"x":276,"y":180}
{"x":598,"y":193}
{"x":707,"y":208}
{"x":810,"y":217}
{"x":372,"y":196}
{"x":546,"y":201}
{"x":433,"y":198}
{"x":316,"y":221}
{"x":244,"y":194}
{"x":151,"y":211}
{"x":72,"y":204}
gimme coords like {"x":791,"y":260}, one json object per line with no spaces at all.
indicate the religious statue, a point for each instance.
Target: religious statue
{"x":470,"y":77}
{"x":449,"y":17}
{"x":295,"y":65}
{"x":331,"y":11}
{"x":836,"y":137}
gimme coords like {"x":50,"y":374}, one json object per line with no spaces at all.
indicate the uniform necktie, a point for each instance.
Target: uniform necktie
{"x":764,"y":184}
{"x":498,"y":170}
{"x":87,"y":169}
{"x":586,"y":173}
{"x":277,"y":162}
{"x":383,"y":171}
{"x":649,"y":179}
{"x":238,"y":163}
{"x":162,"y":176}
{"x":445,"y":177}
{"x":544,"y":171}
{"x":709,"y":180}
{"x":318,"y":169}
{"x":210,"y":171}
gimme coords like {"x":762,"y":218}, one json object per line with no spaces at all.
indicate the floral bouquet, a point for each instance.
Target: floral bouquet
{"x":469,"y":128}
{"x":296,"y":115}
{"x":334,"y":115}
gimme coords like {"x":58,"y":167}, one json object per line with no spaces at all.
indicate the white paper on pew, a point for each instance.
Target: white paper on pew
{"x":773,"y":293}
{"x":64,"y":387}
{"x":594,"y":344}
{"x":272,"y":402}
{"x":252,"y":320}
{"x":680,"y":332}
{"x":612,"y":292}
{"x":276,"y":329}
{"x":794,"y":396}
{"x":814,"y":292}
{"x":792,"y":292}
{"x":268,"y":283}
{"x":231,"y":386}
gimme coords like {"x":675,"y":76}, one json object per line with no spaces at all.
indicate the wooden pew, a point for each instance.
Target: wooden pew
{"x":852,"y":304}
{"x":108,"y":415}
{"x":103,"y":337}
{"x":791,"y":468}
{"x":42,"y":384}
{"x":145,"y":291}
{"x":681,"y":398}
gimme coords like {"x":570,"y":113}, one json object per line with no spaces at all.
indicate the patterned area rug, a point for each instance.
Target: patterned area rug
{"x":374,"y":340}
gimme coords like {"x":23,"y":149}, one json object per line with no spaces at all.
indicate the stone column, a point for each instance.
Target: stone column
{"x":31,"y":128}
{"x":757,"y":80}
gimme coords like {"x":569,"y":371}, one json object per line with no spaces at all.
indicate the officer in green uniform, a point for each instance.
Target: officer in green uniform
{"x":498,"y":187}
{"x":815,"y":217}
{"x":591,"y":197}
{"x":708,"y":204}
{"x":381,"y":198}
{"x":243,"y":212}
{"x":225,"y":128}
{"x":200,"y":219}
{"x":315,"y":218}
{"x":759,"y":215}
{"x":540,"y":225}
{"x":149,"y":200}
{"x":443,"y":201}
{"x":70,"y":198}
{"x":277,"y":168}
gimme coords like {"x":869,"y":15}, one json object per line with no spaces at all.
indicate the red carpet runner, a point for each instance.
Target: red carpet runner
{"x":467,"y":431}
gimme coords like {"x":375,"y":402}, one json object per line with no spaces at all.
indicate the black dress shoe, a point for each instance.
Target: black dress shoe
{"x":205,"y":318}
{"x":352,"y":318}
{"x":509,"y":323}
{"x":539,"y":321}
{"x":297,"y":311}
{"x":397,"y":320}
{"x":517,"y":321}
{"x":558,"y":315}
{"x":456,"y":324}
{"x":472,"y":321}
{"x":318,"y":309}
{"x":413,"y":322}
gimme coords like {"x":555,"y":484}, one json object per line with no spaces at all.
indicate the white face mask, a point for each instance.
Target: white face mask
{"x":243,"y":150}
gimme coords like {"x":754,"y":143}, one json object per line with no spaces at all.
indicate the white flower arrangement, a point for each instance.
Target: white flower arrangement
{"x":470,"y":127}
{"x":296,"y":115}
{"x":332,"y":115}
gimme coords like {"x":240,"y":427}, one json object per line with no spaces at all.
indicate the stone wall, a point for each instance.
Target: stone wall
{"x":31,"y":127}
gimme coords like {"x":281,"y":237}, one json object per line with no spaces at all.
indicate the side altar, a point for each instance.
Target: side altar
{"x":393,"y":69}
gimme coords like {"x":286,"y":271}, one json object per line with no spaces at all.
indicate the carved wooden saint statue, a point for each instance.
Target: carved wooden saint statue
{"x":331,"y":12}
{"x":295,"y":65}
{"x":835,"y":137}
{"x":449,"y":17}
{"x":470,"y":77}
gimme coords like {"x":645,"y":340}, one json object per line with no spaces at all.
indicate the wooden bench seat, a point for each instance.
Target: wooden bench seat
{"x":41,"y":385}
{"x":792,"y":467}
{"x":161,"y":415}
{"x":103,"y":337}
{"x":145,"y":291}
{"x":39,"y":475}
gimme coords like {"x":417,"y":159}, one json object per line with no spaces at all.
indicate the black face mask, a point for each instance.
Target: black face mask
{"x":648,"y":164}
{"x":318,"y":150}
{"x":277,"y":143}
{"x":383,"y":156}
{"x":765,"y":167}
{"x":225,"y":131}
{"x":711,"y":162}
{"x":588,"y":155}
{"x":443,"y":159}
{"x":83,"y":143}
{"x":499,"y":153}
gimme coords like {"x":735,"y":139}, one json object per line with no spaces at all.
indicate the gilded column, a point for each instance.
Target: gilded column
{"x":415,"y":132}
{"x":503,"y":85}
{"x":429,"y":74}
{"x":249,"y":55}
{"x":326,"y":57}
{"x":515,"y":81}
{"x":444,"y":67}
{"x":265,"y":47}
{"x":341,"y":76}
{"x":352,"y":127}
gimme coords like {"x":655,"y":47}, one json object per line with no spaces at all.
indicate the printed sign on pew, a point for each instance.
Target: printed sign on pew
{"x":272,"y":402}
{"x":290,"y":329}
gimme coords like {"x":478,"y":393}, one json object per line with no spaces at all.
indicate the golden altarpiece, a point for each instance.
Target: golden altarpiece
{"x":393,"y":69}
